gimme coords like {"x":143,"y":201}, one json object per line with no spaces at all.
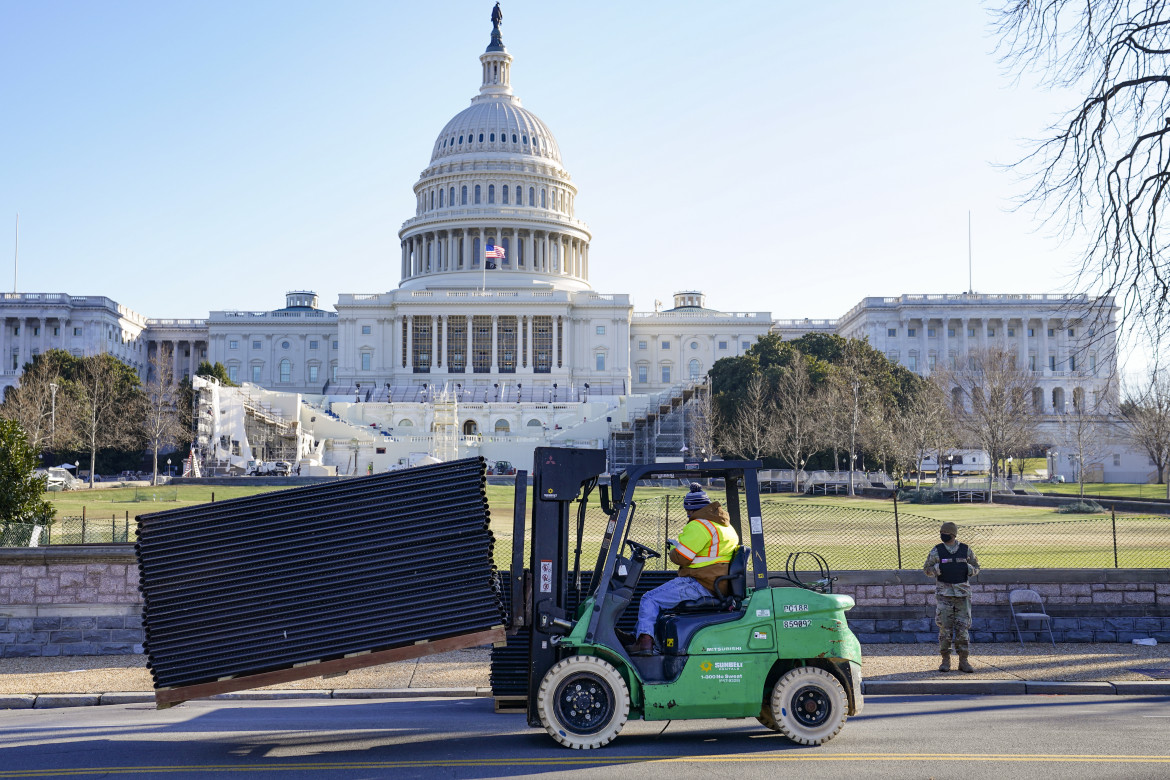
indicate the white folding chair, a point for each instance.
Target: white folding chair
{"x":1026,"y":598}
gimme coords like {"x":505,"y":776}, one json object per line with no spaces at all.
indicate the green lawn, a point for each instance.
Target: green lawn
{"x":852,"y":533}
{"x":1106,"y":489}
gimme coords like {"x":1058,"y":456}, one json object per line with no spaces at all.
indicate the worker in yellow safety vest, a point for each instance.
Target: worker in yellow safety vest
{"x":702,"y":552}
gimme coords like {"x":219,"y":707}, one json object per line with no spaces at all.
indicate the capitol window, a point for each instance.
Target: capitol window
{"x":525,"y":139}
{"x":950,"y":333}
{"x":600,"y":361}
{"x":513,"y":138}
{"x":335,"y":345}
{"x":746,"y":344}
{"x":642,"y":345}
{"x":234,"y":374}
{"x":504,"y":194}
{"x":481,"y":138}
{"x":695,"y":369}
{"x":694,"y":345}
{"x":722,"y":345}
{"x":930,"y":333}
{"x":233,"y":344}
{"x":666,"y":373}
{"x":460,"y":139}
{"x":365,"y":330}
{"x":543,"y":199}
{"x":284,"y":345}
{"x":77,"y":331}
{"x":532,"y":196}
{"x":492,"y":138}
{"x":600,"y":330}
{"x":893,"y":332}
{"x":643,"y":373}
{"x":477,"y":191}
{"x":451,"y":197}
{"x":519,"y":196}
{"x":1011,"y":332}
{"x":971,"y":332}
{"x":256,"y":375}
{"x":491,"y":193}
{"x":465,"y":195}
{"x":255,"y":345}
{"x":367,"y":359}
{"x":312,"y":373}
{"x":911,"y":332}
{"x":666,"y":345}
{"x":285,"y":370}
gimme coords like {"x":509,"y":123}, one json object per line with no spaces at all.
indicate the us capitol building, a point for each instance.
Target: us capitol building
{"x":521,"y":345}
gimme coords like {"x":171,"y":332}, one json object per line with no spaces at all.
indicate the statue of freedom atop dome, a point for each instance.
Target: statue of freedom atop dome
{"x":497,"y":16}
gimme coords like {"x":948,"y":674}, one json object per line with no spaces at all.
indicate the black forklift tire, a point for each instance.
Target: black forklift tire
{"x":583,"y":702}
{"x":809,"y":705}
{"x":766,"y":718}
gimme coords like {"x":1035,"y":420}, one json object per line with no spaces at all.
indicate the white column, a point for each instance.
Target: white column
{"x":409,"y":344}
{"x":467,"y":369}
{"x":944,"y":334}
{"x":923,"y":347}
{"x":963,"y":340}
{"x":1042,"y":357}
{"x":545,"y":265}
{"x":405,"y":260}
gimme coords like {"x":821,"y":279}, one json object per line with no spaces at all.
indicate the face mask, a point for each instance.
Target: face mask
{"x":946,"y":537}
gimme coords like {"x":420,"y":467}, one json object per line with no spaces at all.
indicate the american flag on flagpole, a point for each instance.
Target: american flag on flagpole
{"x":490,"y":252}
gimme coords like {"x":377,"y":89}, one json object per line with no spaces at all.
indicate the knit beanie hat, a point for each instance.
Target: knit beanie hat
{"x":696,"y":499}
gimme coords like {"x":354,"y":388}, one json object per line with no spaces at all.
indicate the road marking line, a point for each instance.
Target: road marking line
{"x":580,"y":761}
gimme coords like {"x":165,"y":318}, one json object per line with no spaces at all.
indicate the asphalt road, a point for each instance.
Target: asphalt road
{"x":897,"y":737}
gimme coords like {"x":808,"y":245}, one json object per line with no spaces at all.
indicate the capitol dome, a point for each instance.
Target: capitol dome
{"x":495,"y":207}
{"x":498,"y":124}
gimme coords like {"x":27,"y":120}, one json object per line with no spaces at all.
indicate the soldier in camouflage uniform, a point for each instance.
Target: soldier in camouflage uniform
{"x":951,"y":564}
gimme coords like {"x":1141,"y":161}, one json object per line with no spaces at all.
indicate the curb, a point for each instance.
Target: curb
{"x":28,"y":701}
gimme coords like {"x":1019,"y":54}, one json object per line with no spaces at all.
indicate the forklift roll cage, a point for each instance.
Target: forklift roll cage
{"x":560,"y":476}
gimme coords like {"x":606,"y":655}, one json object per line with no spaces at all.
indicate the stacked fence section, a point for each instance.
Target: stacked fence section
{"x":285,"y":579}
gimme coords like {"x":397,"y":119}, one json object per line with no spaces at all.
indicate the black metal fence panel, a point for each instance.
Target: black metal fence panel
{"x":315,"y":573}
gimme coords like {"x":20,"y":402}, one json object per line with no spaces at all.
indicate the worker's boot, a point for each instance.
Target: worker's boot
{"x":964,"y":666}
{"x":945,"y":666}
{"x":644,"y":645}
{"x":625,"y":637}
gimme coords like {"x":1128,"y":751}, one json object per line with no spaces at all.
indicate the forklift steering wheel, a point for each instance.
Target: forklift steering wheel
{"x":642,"y":550}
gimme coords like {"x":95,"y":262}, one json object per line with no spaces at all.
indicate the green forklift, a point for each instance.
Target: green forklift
{"x":775,"y":649}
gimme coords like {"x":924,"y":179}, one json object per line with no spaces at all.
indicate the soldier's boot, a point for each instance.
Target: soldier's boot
{"x":945,"y":666}
{"x":963,"y":665}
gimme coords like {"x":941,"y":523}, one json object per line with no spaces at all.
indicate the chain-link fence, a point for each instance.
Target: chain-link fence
{"x":871,"y":538}
{"x":69,"y":530}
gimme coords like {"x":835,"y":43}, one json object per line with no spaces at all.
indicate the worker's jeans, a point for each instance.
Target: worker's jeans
{"x":666,"y":595}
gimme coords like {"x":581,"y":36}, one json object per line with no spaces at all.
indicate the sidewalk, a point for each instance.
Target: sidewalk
{"x":887,"y":669}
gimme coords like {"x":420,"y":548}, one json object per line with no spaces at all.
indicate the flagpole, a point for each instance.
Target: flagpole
{"x":483,"y":270}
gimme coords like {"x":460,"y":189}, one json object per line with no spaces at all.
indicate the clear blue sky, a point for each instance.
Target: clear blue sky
{"x":182,"y":157}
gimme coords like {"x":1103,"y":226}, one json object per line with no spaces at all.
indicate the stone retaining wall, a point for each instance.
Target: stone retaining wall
{"x":69,"y":600}
{"x":84,"y":600}
{"x":1086,"y":605}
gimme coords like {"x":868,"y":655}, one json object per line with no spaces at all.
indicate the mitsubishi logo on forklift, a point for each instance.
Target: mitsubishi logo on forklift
{"x":550,"y":461}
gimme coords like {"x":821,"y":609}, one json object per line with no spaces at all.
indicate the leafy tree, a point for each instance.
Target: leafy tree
{"x":21,"y":492}
{"x":217,"y":370}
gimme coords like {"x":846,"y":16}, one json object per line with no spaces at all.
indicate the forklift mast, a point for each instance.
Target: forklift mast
{"x":559,"y":475}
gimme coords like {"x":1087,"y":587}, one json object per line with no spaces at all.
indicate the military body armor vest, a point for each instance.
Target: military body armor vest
{"x":952,"y":566}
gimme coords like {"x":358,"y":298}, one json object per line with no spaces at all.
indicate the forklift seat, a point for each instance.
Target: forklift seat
{"x":736,"y":581}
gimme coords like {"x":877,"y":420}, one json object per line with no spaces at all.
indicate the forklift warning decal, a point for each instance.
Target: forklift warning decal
{"x":546,"y":577}
{"x":763,"y":613}
{"x":757,"y":525}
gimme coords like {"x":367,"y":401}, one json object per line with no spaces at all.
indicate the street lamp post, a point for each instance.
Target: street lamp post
{"x":168,"y":467}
